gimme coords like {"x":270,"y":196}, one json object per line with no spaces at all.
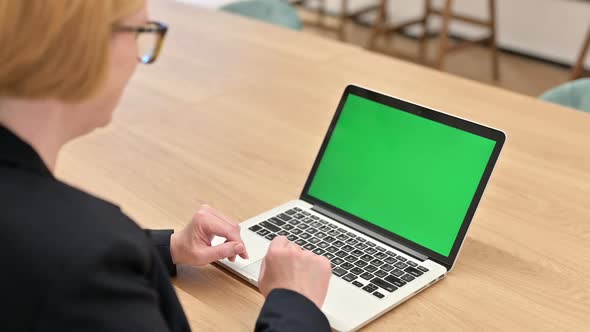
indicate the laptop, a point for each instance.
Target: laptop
{"x":388,"y":201}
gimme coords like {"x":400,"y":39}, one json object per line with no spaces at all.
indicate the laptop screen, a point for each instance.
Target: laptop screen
{"x":404,"y":173}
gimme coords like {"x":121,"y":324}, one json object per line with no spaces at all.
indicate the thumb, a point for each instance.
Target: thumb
{"x":224,"y":250}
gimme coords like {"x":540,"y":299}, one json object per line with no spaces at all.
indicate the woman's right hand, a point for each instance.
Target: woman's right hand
{"x":287,"y":266}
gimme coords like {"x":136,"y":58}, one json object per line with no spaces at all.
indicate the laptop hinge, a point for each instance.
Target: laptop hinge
{"x":370,"y":233}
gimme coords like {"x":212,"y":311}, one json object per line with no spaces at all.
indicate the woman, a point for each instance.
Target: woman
{"x":72,"y":261}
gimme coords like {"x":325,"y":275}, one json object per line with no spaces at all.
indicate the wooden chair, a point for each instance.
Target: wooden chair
{"x":381,"y":28}
{"x":345,"y":15}
{"x":578,"y":69}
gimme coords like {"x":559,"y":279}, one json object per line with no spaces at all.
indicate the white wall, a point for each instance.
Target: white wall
{"x":551,"y":29}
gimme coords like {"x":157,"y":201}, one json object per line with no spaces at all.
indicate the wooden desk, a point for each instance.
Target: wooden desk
{"x":233,"y":115}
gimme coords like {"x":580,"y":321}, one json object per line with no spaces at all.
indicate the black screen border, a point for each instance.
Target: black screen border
{"x":493,"y":134}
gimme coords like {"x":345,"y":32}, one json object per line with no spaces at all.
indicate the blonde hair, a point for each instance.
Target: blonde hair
{"x":57,"y":48}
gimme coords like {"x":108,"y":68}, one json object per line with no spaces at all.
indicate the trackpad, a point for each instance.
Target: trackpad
{"x":253,"y":269}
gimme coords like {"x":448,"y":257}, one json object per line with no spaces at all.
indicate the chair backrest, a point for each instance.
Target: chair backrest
{"x":574,"y":94}
{"x":272,"y":11}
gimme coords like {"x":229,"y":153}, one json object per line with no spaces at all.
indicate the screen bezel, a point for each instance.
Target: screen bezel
{"x":498,"y":136}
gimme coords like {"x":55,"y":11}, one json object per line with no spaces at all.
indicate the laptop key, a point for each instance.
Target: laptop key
{"x":294,"y":222}
{"x":303,"y":226}
{"x":397,"y":272}
{"x":333,"y":232}
{"x":413,"y":271}
{"x":309,"y":246}
{"x":349,"y":277}
{"x":290,"y":212}
{"x":376,"y":262}
{"x":361,"y":263}
{"x":351,"y":242}
{"x":360,"y":239}
{"x":381,"y":274}
{"x":422,"y":268}
{"x":306,"y":213}
{"x":297,"y":209}
{"x":300,"y":242}
{"x":386,"y":267}
{"x":347,"y":266}
{"x":394,"y":281}
{"x":288,"y":227}
{"x":370,"y":288}
{"x":357,"y":253}
{"x":299,"y":216}
{"x":312,"y":230}
{"x":366,"y":276}
{"x":263,"y":232}
{"x":337,"y":271}
{"x":341,"y":254}
{"x":323,"y":245}
{"x":390,"y":260}
{"x":381,"y":255}
{"x":356,"y":270}
{"x":357,"y":283}
{"x":338,"y":243}
{"x":284,"y":217}
{"x":318,"y":251}
{"x":329,"y":239}
{"x":315,"y":224}
{"x":320,"y":235}
{"x":342,"y":237}
{"x":254,"y":228}
{"x":296,"y":231}
{"x":371,"y":251}
{"x":331,"y":225}
{"x":401,"y":258}
{"x":350,"y":259}
{"x":347,"y":248}
{"x":315,"y":217}
{"x":283,"y":233}
{"x":305,"y":236}
{"x":276,"y":221}
{"x":361,"y":246}
{"x":371,"y":244}
{"x":378,"y":295}
{"x":324,"y":228}
{"x":401,"y":265}
{"x":337,"y":260}
{"x":292,"y":237}
{"x":269,"y":226}
{"x":407,"y":277}
{"x":314,"y":240}
{"x":367,"y":258}
{"x":412,"y":264}
{"x":328,"y":255}
{"x":384,"y":284}
{"x":332,"y":249}
{"x":380,"y":248}
{"x":371,"y":268}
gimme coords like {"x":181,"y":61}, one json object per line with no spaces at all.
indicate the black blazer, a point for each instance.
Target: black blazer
{"x":73,"y":262}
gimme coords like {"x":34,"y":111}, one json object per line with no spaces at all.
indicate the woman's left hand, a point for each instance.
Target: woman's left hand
{"x":192,"y":245}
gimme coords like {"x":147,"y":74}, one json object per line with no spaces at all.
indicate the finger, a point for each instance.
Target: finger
{"x":215,"y":226}
{"x":232,"y":222}
{"x":224,"y":250}
{"x":279,"y":242}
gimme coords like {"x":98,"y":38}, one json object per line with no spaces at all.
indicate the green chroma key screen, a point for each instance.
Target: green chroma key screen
{"x":404,"y":173}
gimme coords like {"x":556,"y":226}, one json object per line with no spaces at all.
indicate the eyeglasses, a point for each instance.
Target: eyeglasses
{"x":150,"y":39}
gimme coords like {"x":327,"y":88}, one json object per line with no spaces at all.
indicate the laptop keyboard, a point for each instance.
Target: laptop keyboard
{"x":363,"y":263}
